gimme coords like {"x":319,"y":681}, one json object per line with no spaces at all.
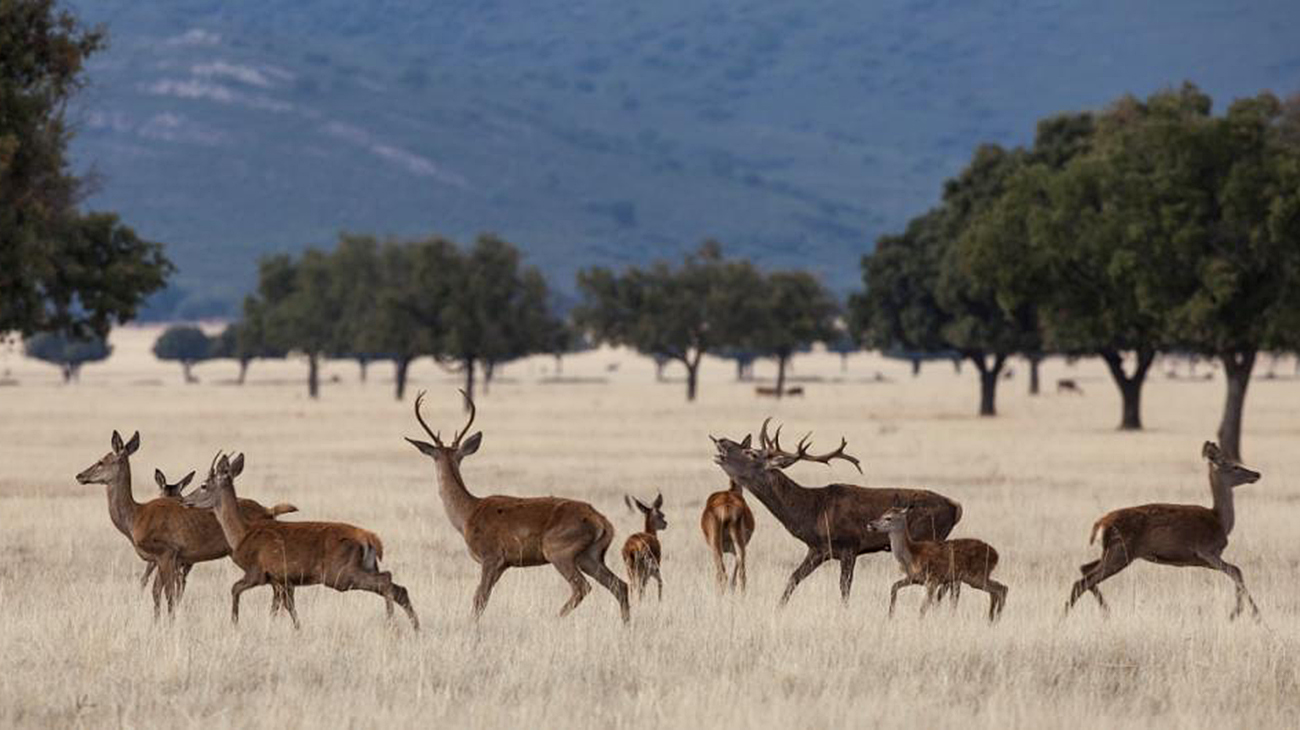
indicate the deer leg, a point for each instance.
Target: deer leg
{"x":488,"y":577}
{"x":847,"y":564}
{"x":997,"y":596}
{"x":931,"y":588}
{"x":251,"y":579}
{"x":811,"y":562}
{"x":158,"y":580}
{"x":738,"y":573}
{"x":182,"y":577}
{"x":381,"y":583}
{"x":893,"y":592}
{"x":592,"y":563}
{"x":634,"y":578}
{"x":289,"y":605}
{"x":659,"y":584}
{"x":1087,"y":568}
{"x":148,"y":571}
{"x":1112,"y":561}
{"x":1233,"y":572}
{"x":714,"y":537}
{"x":580,"y":586}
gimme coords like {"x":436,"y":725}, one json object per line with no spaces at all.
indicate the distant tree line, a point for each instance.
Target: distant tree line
{"x":1152,"y":226}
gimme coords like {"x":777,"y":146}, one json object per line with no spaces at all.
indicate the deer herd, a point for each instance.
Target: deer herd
{"x":839,"y":522}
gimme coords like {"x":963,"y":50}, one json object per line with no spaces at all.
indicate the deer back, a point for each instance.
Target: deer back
{"x":305,"y":552}
{"x":1169,"y":531}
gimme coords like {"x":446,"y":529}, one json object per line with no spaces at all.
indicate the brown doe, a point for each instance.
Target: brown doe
{"x":289,"y":554}
{"x":728,"y":524}
{"x":163,"y":532}
{"x":503,"y":532}
{"x":642,"y":552}
{"x":940,"y":564}
{"x":831,"y":520}
{"x":1172,"y":534}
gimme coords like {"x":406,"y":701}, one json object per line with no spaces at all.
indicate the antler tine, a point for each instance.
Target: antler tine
{"x":776,"y":438}
{"x":419,"y":398}
{"x":836,"y":454}
{"x":763,"y":440}
{"x":472,"y":412}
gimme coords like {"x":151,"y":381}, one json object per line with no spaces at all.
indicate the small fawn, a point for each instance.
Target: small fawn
{"x":642,"y":552}
{"x":940,"y":564}
{"x":728,"y":524}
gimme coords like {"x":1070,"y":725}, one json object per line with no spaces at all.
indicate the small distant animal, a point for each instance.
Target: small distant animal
{"x":769,"y":391}
{"x":940,"y":565}
{"x":1008,"y":374}
{"x":1068,"y":385}
{"x":612,"y":367}
{"x":642,"y":552}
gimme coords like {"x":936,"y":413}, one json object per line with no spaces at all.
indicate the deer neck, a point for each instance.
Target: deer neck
{"x":735,"y":488}
{"x":790,"y":503}
{"x":1222,"y":501}
{"x":650,"y":525}
{"x":901,"y":546}
{"x":456,"y":498}
{"x":121,"y":502}
{"x":231,"y":520}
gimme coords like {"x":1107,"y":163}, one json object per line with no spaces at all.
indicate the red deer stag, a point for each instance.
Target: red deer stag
{"x":1172,"y":534}
{"x":940,"y":564}
{"x":728,"y":524}
{"x":163,"y":533}
{"x":503,"y":532}
{"x":289,"y":554}
{"x":642,"y":553}
{"x":830,"y":520}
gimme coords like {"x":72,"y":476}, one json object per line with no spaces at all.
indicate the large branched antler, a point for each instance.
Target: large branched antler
{"x":780,"y":458}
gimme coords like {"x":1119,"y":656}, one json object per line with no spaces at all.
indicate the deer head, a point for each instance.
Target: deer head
{"x":741,"y":461}
{"x":109,"y":468}
{"x":171,"y":490}
{"x":1225,"y":471}
{"x":221,"y":477}
{"x":654,"y":512}
{"x":894,"y":518}
{"x":460,"y":446}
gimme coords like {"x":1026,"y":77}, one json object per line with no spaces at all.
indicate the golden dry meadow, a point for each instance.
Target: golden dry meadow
{"x":81,"y":647}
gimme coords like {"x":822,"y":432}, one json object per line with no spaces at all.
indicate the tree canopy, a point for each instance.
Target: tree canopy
{"x":69,"y":353}
{"x":185,"y":344}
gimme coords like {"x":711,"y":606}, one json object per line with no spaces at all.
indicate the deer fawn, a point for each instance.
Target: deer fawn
{"x":939,"y":564}
{"x":288,"y":554}
{"x":831,"y":520}
{"x":171,"y":491}
{"x":503,"y":532}
{"x":728,"y":524}
{"x":642,"y":552}
{"x":1172,"y":534}
{"x":164,"y":534}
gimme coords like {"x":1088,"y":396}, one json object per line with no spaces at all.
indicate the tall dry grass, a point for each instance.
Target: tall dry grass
{"x":80,"y":647}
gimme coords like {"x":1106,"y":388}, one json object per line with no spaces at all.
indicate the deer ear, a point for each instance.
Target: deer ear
{"x":425,"y":448}
{"x":749,"y":438}
{"x":160,"y":478}
{"x":1210,"y":451}
{"x":659,"y":501}
{"x":471,"y":444}
{"x":237,"y":466}
{"x":186,"y":481}
{"x":641,"y":505}
{"x":133,"y":444}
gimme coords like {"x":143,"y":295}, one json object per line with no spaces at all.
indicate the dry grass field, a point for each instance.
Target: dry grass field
{"x":80,"y":646}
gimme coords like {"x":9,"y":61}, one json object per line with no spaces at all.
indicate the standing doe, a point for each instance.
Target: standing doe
{"x":1172,"y":534}
{"x":288,"y":554}
{"x":503,"y":532}
{"x":728,"y":524}
{"x":940,"y":565}
{"x":642,"y":553}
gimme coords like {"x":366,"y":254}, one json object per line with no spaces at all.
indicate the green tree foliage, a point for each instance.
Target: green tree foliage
{"x":419,"y":279}
{"x":247,"y":339}
{"x":791,"y":311}
{"x":671,"y":313}
{"x":300,"y":307}
{"x":59,"y":270}
{"x":920,"y":295}
{"x":69,"y":353}
{"x":185,"y":344}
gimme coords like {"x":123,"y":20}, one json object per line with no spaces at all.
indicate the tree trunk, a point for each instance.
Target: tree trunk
{"x":1034,"y":361}
{"x":989,"y":376}
{"x":489,"y":369}
{"x":781,"y":360}
{"x":1130,"y":386}
{"x":659,"y":369}
{"x":399,"y":377}
{"x":559,"y":365}
{"x":1237,"y":367}
{"x":692,"y":364}
{"x":185,"y":370}
{"x":469,"y":380}
{"x":363,"y":363}
{"x":243,"y":370}
{"x":740,"y":370}
{"x":844,"y":362}
{"x":956,"y":365}
{"x":916,"y":366}
{"x":313,"y":376}
{"x":68,"y":372}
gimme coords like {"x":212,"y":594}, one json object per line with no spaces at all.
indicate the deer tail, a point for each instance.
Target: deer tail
{"x":283,"y":508}
{"x":1099,"y":527}
{"x":372,"y":549}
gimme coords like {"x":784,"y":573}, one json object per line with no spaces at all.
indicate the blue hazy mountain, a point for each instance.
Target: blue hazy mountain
{"x":597,"y":131}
